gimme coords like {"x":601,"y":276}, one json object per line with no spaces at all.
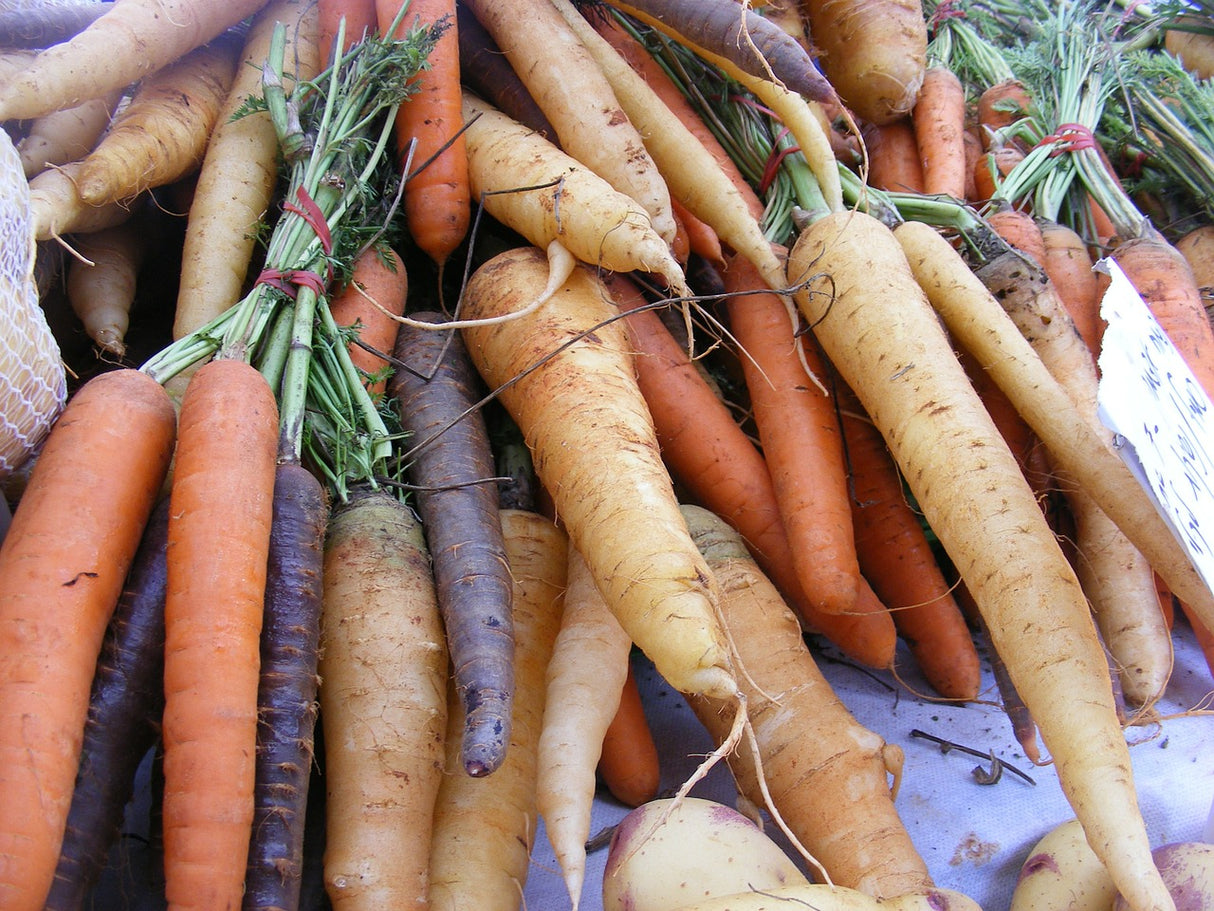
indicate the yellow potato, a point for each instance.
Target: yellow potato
{"x":1062,"y":873}
{"x":704,"y":849}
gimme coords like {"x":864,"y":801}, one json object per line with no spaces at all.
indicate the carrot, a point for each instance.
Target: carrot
{"x":585,"y":678}
{"x":287,"y":693}
{"x":999,"y":106}
{"x":952,"y":457}
{"x":812,"y":749}
{"x":67,"y":135}
{"x":894,"y":162}
{"x":375,"y":294}
{"x":672,"y":96}
{"x":524,"y":181}
{"x":123,"y":721}
{"x":162,"y":132}
{"x":897,"y":560}
{"x":582,"y":401}
{"x":428,"y":125}
{"x":874,"y":54}
{"x":121,"y":47}
{"x":1116,"y":578}
{"x":451,"y":466}
{"x":38,"y":24}
{"x":484,"y":828}
{"x":1197,"y":247}
{"x":702,"y":444}
{"x":56,"y":207}
{"x":1193,"y":47}
{"x":1074,"y":443}
{"x":1068,"y":263}
{"x":487,"y":72}
{"x":702,"y":238}
{"x":1203,"y":636}
{"x":753,"y":43}
{"x":802,"y":442}
{"x":360,"y":21}
{"x":383,"y":704}
{"x":114,"y":440}
{"x":101,"y":287}
{"x":238,"y":173}
{"x":1024,"y":729}
{"x":629,"y":764}
{"x":1019,"y":230}
{"x":989,"y":170}
{"x":685,"y":164}
{"x":939,"y":121}
{"x":805,"y":119}
{"x":578,"y":101}
{"x":1162,"y":276}
{"x":219,"y":539}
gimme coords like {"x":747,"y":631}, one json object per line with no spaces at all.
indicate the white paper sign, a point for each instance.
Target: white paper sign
{"x":1161,"y":416}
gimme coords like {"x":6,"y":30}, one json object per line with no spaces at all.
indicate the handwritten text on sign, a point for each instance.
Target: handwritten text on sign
{"x":1149,"y":397}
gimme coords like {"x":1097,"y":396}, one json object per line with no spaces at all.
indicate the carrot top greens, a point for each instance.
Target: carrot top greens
{"x":338,"y":198}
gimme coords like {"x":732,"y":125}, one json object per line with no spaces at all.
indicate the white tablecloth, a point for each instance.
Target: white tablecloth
{"x":973,"y":837}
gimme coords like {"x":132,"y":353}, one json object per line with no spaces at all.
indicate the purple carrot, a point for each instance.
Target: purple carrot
{"x":286,"y":702}
{"x":123,"y":722}
{"x":451,"y":465}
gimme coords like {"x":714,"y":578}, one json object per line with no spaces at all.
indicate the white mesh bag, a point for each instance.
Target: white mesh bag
{"x":33,"y":384}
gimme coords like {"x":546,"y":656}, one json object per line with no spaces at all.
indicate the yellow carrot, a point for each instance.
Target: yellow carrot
{"x":578,"y":100}
{"x":877,"y":326}
{"x":576,"y":407}
{"x":129,"y":42}
{"x":484,"y":828}
{"x":530,"y":185}
{"x":161,"y":133}
{"x":238,"y":173}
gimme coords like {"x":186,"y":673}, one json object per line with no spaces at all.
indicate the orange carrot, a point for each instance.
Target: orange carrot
{"x":990,"y":169}
{"x":1197,"y":246}
{"x":729,"y":475}
{"x":800,"y":435}
{"x":219,"y":537}
{"x":1068,"y":263}
{"x":629,"y":763}
{"x":1019,"y":229}
{"x":111,"y":445}
{"x":360,"y":21}
{"x":939,"y":121}
{"x":897,"y":560}
{"x":893,"y":156}
{"x":376,"y":292}
{"x":973,"y":152}
{"x":703,"y":446}
{"x":1203,"y":635}
{"x":1164,"y":279}
{"x":701,"y":238}
{"x":1001,"y":105}
{"x":438,"y":200}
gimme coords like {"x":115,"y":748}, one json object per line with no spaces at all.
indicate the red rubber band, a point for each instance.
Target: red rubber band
{"x":1069,"y":137}
{"x":289,"y":281}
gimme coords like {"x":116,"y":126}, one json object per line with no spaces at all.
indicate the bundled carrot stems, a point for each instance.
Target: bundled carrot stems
{"x":335,"y":134}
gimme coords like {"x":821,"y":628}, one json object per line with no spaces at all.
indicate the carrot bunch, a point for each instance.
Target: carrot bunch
{"x":330,"y":356}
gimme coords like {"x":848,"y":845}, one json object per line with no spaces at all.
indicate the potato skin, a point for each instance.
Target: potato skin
{"x":1188,"y":872}
{"x":704,"y":849}
{"x":1062,"y":873}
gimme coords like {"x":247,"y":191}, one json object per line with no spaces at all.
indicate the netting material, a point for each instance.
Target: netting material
{"x":33,"y":383}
